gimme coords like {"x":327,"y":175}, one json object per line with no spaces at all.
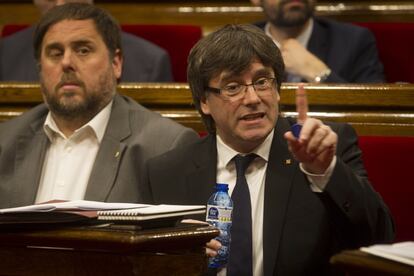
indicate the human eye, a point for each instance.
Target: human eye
{"x":54,"y":53}
{"x":83,"y":50}
{"x":232,"y":88}
{"x":262,"y":83}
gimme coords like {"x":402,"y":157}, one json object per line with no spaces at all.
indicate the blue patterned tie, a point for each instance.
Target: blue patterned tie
{"x":240,"y":259}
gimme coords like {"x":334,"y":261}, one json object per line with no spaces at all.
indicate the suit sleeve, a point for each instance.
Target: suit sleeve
{"x":366,"y":65}
{"x":358,"y":213}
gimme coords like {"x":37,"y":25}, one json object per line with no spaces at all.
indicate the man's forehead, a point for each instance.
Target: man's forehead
{"x":255,"y":69}
{"x":69,"y":29}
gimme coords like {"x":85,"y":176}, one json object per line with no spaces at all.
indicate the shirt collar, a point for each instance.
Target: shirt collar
{"x":303,"y":38}
{"x":97,"y":124}
{"x":225,"y":153}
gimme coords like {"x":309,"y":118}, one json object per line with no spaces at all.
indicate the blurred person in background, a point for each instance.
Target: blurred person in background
{"x":320,"y":50}
{"x":143,"y":60}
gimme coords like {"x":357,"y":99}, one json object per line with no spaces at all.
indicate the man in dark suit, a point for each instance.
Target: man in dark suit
{"x":320,"y":50}
{"x":309,"y":196}
{"x":85,"y":141}
{"x":143,"y":60}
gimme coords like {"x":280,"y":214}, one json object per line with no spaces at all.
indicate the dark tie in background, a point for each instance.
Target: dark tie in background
{"x":240,"y":259}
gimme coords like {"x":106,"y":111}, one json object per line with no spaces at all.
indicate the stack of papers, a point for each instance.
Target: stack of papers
{"x":152,"y":212}
{"x":402,"y":252}
{"x":94,"y":212}
{"x":85,"y":205}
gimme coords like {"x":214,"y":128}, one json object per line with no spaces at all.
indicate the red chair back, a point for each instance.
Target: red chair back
{"x":389,"y":163}
{"x":395,"y":42}
{"x":177,"y":40}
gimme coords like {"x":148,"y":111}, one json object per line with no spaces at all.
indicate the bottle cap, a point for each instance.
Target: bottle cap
{"x":296,"y":128}
{"x":222,"y":187}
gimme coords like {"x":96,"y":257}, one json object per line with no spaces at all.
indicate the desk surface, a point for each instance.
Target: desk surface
{"x":123,"y":238}
{"x":106,"y":251}
{"x":358,"y":263}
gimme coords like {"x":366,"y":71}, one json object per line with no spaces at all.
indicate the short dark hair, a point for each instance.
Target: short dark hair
{"x":230,"y":48}
{"x":105,"y":24}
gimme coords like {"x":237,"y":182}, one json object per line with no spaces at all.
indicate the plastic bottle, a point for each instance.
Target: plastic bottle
{"x":219,"y":209}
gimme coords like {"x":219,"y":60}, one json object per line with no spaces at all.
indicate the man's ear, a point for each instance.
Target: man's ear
{"x":204,"y":105}
{"x":117,"y":62}
{"x":256,"y":2}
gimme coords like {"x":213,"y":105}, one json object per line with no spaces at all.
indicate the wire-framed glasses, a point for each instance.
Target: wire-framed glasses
{"x":235,"y":91}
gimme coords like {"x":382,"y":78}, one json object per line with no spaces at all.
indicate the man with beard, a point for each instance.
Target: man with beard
{"x":320,"y":50}
{"x":143,"y":60}
{"x":85,"y":141}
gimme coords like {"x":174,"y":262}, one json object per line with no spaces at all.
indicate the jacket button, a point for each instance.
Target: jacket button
{"x":346,"y":206}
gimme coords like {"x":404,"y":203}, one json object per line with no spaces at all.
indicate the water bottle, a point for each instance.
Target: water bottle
{"x":219,"y":209}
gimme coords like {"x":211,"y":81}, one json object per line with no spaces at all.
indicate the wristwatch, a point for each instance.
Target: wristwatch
{"x":322,"y":76}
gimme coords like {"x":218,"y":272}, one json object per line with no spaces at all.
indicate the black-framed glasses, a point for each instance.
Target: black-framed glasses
{"x":235,"y":91}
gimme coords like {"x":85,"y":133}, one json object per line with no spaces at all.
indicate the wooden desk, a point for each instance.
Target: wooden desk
{"x":358,"y":263}
{"x":104,"y":251}
{"x":372,"y":109}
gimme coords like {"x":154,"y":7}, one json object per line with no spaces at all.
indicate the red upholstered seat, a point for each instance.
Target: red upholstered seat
{"x":12,"y":28}
{"x":177,"y":40}
{"x":395,"y":42}
{"x":389,"y":163}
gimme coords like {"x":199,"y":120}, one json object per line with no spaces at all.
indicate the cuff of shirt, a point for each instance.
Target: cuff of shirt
{"x":318,"y":181}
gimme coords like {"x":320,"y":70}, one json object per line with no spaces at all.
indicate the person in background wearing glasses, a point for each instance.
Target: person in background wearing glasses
{"x":309,"y":196}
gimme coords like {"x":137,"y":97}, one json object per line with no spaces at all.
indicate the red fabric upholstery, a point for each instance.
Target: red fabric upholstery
{"x":388,"y":161}
{"x":395,"y":42}
{"x":177,"y":40}
{"x":10,"y":29}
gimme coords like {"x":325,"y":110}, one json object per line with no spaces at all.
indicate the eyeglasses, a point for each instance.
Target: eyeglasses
{"x":236,"y":91}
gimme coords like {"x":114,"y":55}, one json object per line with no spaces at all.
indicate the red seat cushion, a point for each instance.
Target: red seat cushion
{"x":177,"y":40}
{"x":12,"y":28}
{"x":395,"y":42}
{"x":388,"y":161}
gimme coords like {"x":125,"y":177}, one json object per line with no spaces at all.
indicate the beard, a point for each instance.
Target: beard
{"x":63,"y":104}
{"x":294,"y":17}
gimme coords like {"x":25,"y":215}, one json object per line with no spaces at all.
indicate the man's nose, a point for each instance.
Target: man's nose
{"x":251,"y":96}
{"x":67,"y":61}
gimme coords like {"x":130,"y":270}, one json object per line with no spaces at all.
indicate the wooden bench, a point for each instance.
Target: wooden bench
{"x":383,"y":116}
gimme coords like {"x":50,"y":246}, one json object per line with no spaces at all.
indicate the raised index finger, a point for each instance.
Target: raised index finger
{"x":301,"y":104}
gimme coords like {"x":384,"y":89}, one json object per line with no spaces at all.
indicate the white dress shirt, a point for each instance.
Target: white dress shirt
{"x":256,"y":178}
{"x":69,"y":160}
{"x":303,"y":39}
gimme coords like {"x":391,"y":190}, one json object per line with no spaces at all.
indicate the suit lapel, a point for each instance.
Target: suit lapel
{"x":30,"y":153}
{"x":279,"y":176}
{"x":110,"y":152}
{"x":201,"y":180}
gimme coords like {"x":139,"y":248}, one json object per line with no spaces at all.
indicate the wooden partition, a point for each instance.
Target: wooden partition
{"x":381,"y":109}
{"x":211,"y":14}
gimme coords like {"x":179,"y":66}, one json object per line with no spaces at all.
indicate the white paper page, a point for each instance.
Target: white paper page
{"x":401,"y":252}
{"x":74,"y":205}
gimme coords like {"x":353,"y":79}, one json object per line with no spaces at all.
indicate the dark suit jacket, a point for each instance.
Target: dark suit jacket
{"x":133,"y":135}
{"x":143,"y":61}
{"x":302,"y":229}
{"x":348,"y":50}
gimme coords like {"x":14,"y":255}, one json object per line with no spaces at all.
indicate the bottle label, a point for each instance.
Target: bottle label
{"x":219,"y":214}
